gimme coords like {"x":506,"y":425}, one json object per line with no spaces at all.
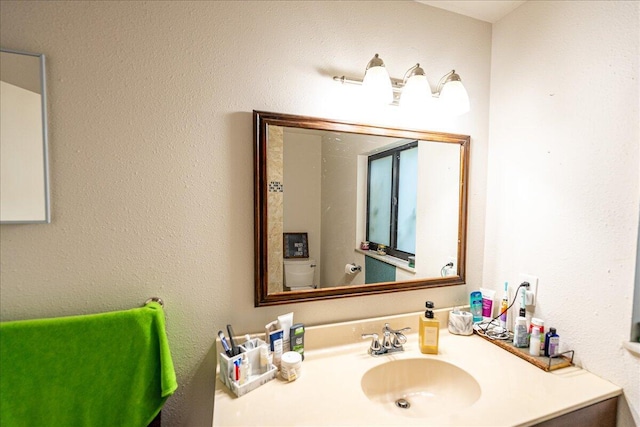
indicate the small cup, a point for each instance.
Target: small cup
{"x":461,"y":323}
{"x":412,"y":261}
{"x":364,"y":246}
{"x":382,"y":250}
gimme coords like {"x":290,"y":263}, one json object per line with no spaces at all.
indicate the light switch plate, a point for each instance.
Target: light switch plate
{"x":533,"y":286}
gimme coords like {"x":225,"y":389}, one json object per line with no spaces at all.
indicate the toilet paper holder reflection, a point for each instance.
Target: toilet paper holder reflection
{"x":352,"y":268}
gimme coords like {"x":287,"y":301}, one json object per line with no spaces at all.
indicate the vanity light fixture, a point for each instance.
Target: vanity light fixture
{"x":413,"y":91}
{"x":377,"y":83}
{"x":416,"y":92}
{"x":452,"y":93}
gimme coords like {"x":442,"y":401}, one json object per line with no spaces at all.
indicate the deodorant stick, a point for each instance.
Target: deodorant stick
{"x":296,"y":338}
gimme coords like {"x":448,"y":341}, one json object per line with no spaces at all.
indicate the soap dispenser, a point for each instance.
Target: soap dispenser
{"x":429,"y":331}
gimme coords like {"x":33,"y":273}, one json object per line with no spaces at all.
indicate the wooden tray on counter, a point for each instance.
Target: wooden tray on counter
{"x":542,"y":362}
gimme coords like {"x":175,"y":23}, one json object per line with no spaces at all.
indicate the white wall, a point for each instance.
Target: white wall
{"x":151,"y":154}
{"x":562,"y":190}
{"x":339,"y":187}
{"x":302,"y":173}
{"x":438,"y":185}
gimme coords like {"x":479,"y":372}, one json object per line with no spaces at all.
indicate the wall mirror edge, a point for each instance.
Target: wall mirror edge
{"x":261,"y":122}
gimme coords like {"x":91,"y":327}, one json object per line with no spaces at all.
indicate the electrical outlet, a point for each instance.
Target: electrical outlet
{"x":533,"y":286}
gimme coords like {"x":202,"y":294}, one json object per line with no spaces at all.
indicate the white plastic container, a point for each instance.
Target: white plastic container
{"x":255,"y":376}
{"x":534,"y":342}
{"x":291,"y":365}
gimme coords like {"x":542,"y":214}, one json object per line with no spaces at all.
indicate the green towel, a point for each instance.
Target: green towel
{"x":108,"y":369}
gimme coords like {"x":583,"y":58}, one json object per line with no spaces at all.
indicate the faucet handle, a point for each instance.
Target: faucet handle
{"x":386,"y":340}
{"x":395,"y":331}
{"x":375,"y":344}
{"x":400,"y":339}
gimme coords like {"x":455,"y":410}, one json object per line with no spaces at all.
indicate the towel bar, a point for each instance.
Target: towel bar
{"x":155,"y":299}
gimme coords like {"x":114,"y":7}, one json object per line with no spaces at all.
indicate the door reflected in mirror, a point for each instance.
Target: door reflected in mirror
{"x":346,"y":186}
{"x":24,"y":187}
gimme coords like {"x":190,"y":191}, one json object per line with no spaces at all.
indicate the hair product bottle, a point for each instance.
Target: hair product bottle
{"x":429,"y":331}
{"x":551,"y":343}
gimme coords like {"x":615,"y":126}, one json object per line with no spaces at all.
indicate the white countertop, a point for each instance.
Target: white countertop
{"x":513,"y":391}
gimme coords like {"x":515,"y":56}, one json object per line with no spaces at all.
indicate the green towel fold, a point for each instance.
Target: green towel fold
{"x":109,"y":369}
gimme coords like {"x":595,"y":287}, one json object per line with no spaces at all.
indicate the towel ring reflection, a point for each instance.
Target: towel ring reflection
{"x":155,"y":299}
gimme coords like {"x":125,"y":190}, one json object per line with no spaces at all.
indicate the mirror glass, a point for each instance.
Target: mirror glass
{"x":24,"y":187}
{"x":344,"y":209}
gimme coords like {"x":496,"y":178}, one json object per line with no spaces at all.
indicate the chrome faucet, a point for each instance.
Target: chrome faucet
{"x":392,"y":341}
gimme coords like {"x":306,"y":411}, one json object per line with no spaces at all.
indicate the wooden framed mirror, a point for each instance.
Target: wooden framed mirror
{"x":321,"y":177}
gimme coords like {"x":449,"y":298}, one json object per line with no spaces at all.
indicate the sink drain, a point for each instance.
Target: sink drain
{"x":403,"y":403}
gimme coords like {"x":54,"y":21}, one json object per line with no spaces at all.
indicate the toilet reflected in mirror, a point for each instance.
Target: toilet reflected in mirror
{"x":299,"y":274}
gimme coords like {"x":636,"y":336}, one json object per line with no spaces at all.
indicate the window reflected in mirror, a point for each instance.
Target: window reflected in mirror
{"x":391,"y":203}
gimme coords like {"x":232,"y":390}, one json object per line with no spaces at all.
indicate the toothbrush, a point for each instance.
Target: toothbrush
{"x":504,"y":305}
{"x":225,"y":344}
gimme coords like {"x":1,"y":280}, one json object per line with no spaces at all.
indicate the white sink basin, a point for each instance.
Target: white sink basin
{"x":431,"y":387}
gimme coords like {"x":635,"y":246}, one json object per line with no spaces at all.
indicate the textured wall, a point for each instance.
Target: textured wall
{"x":151,"y":153}
{"x":562,"y":192}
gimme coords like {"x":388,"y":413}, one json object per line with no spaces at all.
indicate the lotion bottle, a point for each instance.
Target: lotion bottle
{"x":504,"y":305}
{"x":534,"y":342}
{"x":429,"y":331}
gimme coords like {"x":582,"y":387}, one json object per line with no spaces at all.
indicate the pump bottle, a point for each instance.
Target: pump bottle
{"x":429,"y":331}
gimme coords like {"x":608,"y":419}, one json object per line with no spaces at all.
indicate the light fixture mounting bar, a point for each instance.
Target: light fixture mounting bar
{"x":396,"y":84}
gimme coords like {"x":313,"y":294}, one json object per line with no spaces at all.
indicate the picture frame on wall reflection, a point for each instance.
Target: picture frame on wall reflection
{"x":296,"y":245}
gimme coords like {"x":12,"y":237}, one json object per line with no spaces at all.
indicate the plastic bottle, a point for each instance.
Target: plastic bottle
{"x":520,"y":332}
{"x":264,"y":358}
{"x":551,"y":343}
{"x":245,"y":369}
{"x":429,"y":331}
{"x":540,"y":324}
{"x":475,"y":303}
{"x":534,"y":342}
{"x":503,"y":307}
